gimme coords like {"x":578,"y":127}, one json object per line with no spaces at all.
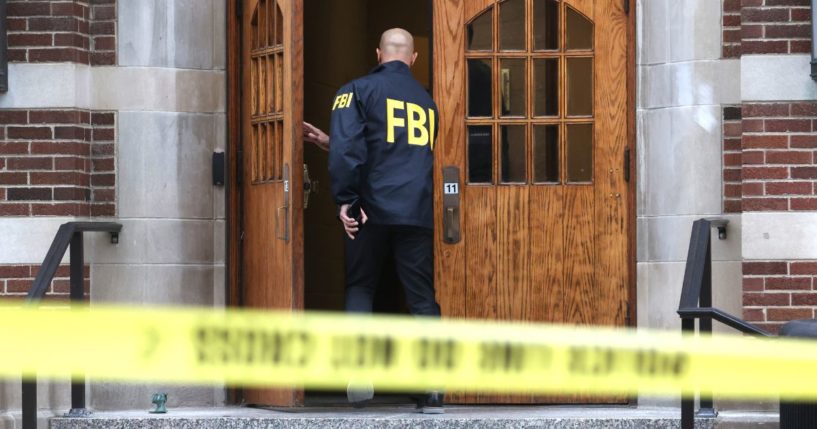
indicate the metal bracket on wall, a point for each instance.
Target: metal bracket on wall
{"x":4,"y":59}
{"x":720,"y":223}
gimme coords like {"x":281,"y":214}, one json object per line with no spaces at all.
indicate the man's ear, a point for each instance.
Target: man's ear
{"x":413,"y":58}
{"x":379,"y":54}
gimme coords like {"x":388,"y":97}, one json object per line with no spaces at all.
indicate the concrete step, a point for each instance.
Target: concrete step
{"x":388,"y":417}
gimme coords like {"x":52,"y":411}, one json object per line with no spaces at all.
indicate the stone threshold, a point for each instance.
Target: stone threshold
{"x":388,"y":417}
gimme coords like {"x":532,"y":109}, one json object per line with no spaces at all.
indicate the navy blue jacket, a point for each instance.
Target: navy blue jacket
{"x":382,"y":136}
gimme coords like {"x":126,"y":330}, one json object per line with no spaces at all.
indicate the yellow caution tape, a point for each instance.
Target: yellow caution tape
{"x":321,"y":350}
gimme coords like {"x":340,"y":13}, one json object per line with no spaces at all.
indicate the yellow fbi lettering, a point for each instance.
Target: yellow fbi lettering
{"x":343,"y":101}
{"x":420,"y":126}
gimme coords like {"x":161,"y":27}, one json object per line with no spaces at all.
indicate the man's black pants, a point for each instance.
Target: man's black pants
{"x":413,"y":251}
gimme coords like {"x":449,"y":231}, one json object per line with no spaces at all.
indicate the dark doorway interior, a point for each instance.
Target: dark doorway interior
{"x":340,"y":37}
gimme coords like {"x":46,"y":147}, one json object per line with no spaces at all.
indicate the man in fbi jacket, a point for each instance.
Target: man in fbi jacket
{"x":380,"y":161}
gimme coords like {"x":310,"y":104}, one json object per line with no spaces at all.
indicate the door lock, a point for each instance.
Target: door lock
{"x":310,"y":186}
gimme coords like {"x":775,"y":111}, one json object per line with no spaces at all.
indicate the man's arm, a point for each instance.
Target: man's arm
{"x":313,"y":134}
{"x":348,"y":152}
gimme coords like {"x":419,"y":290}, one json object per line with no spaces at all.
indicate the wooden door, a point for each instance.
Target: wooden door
{"x":271,"y":154}
{"x":533,"y":103}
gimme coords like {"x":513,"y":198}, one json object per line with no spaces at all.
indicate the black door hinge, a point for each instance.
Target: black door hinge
{"x":627,"y":7}
{"x":627,"y":165}
{"x":238,"y":8}
{"x":627,"y":318}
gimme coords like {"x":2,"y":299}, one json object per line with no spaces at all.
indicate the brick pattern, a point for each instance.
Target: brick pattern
{"x":778,"y":147}
{"x":77,"y":31}
{"x":103,"y":164}
{"x":731,"y":29}
{"x":732,"y":159}
{"x":57,"y":163}
{"x":103,"y":32}
{"x":775,"y":292}
{"x":773,"y":26}
{"x":16,"y":281}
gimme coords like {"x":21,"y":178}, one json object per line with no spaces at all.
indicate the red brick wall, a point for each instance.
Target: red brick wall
{"x":57,"y":163}
{"x":778,"y":146}
{"x":779,"y":174}
{"x":731,"y":29}
{"x":103,"y":32}
{"x":732,"y":159}
{"x":775,"y":292}
{"x":16,"y":280}
{"x":78,"y":31}
{"x":773,"y":26}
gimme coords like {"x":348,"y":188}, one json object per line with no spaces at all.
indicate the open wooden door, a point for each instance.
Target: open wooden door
{"x":271,"y":155}
{"x":532,"y":207}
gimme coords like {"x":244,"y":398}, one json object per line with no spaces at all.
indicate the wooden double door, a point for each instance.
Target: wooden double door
{"x":532,"y":199}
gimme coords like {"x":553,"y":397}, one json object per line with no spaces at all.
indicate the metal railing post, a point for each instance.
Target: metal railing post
{"x":707,"y":406}
{"x":696,"y":303}
{"x":77,"y":296}
{"x":68,"y":237}
{"x":30,"y":402}
{"x":687,"y":399}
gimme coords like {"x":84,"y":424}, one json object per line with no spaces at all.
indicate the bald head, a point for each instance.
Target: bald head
{"x":396,"y":44}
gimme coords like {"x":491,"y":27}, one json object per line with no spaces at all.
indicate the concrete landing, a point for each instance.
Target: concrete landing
{"x":388,"y":417}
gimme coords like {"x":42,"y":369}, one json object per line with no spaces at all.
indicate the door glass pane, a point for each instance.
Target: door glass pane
{"x":512,"y":144}
{"x":546,"y":154}
{"x":279,"y":25}
{"x":480,"y":32}
{"x":480,"y":95}
{"x":279,"y":83}
{"x":512,"y":87}
{"x":254,"y":73}
{"x":579,"y":31}
{"x":580,"y":86}
{"x":269,"y":151}
{"x":279,"y":150}
{"x":580,"y":153}
{"x":546,"y":78}
{"x":270,"y":83}
{"x":256,"y":42}
{"x":256,"y":153}
{"x":546,"y":25}
{"x":480,"y":155}
{"x":262,"y":24}
{"x":512,"y":25}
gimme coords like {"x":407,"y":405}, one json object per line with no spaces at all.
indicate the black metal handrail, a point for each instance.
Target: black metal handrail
{"x":696,"y":303}
{"x":69,"y":234}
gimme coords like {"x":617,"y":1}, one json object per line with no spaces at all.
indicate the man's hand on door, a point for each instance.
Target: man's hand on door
{"x":314,"y":135}
{"x":350,"y":225}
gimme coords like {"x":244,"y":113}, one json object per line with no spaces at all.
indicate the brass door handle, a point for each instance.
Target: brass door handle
{"x":449,"y":223}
